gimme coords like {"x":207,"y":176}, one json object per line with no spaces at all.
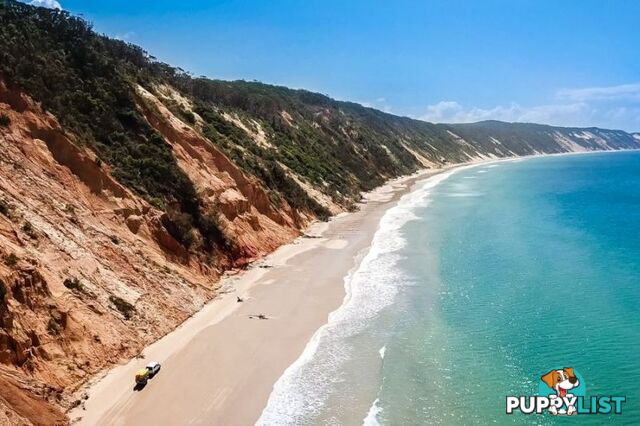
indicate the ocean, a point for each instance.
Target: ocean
{"x":477,"y":283}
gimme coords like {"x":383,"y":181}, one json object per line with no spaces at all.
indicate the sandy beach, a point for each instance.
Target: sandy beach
{"x":219,"y":367}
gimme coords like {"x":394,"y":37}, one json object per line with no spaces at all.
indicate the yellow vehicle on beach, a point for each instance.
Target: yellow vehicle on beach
{"x":142,"y":376}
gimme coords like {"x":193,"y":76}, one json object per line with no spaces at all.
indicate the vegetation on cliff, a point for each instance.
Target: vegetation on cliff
{"x":85,"y":80}
{"x":234,"y":169}
{"x":339,"y":148}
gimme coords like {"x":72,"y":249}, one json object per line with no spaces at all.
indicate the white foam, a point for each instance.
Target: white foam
{"x":464,"y":194}
{"x":372,"y":415}
{"x":370,"y":287}
{"x":382,"y":351}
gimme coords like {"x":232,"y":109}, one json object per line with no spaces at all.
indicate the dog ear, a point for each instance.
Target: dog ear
{"x":569,"y":371}
{"x":551,"y":379}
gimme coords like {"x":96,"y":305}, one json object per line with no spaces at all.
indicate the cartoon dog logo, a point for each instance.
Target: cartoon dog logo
{"x":561,"y":381}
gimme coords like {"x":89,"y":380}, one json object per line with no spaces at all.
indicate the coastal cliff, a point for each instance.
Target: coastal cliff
{"x":128,"y":187}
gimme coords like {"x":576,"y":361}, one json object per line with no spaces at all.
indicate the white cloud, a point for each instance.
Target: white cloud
{"x":51,"y":4}
{"x":614,"y":107}
{"x":126,"y":36}
{"x":629,"y":116}
{"x":575,"y":114}
{"x":449,"y":111}
{"x":560,"y":114}
{"x":620,"y":92}
{"x":453,"y":112}
{"x":379,"y":103}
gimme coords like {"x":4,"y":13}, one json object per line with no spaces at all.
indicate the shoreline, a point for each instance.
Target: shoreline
{"x":220,"y":365}
{"x":364,"y":299}
{"x":285,"y":403}
{"x":267,"y":287}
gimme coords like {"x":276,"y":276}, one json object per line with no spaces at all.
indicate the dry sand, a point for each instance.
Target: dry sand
{"x":219,"y":367}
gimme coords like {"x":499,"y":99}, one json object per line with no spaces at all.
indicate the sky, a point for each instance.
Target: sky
{"x":570,"y":63}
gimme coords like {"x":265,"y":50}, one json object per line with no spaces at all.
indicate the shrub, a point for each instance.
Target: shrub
{"x":29,"y":230}
{"x":180,"y":226}
{"x":4,"y":120}
{"x":5,"y":208}
{"x":53,"y":327}
{"x":69,"y":209}
{"x":212,"y":231}
{"x":189,"y":117}
{"x":3,"y":291}
{"x":125,"y":308}
{"x":73,"y":283}
{"x":11,"y":259}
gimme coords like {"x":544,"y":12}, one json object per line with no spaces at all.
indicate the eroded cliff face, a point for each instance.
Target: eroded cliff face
{"x":247,"y":215}
{"x":88,"y":273}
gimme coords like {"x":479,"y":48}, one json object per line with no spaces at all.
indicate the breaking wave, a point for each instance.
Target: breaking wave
{"x":302,"y":390}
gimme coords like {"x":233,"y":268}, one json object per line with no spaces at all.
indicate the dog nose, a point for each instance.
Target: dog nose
{"x":573,"y":380}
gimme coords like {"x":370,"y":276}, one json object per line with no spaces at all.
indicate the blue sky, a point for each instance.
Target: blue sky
{"x":558,"y":62}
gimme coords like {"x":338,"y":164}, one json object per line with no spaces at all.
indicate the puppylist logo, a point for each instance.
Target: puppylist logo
{"x":562,"y":392}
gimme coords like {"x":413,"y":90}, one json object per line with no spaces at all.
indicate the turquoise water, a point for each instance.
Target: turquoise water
{"x":479,"y":285}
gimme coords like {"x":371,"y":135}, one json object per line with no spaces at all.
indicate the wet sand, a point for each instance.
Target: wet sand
{"x":219,"y":367}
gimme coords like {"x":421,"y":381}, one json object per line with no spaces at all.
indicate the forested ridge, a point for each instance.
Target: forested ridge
{"x":128,"y":187}
{"x":88,"y":81}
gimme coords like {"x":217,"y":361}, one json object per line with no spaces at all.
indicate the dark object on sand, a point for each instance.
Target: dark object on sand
{"x":239,"y":299}
{"x":260,"y":316}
